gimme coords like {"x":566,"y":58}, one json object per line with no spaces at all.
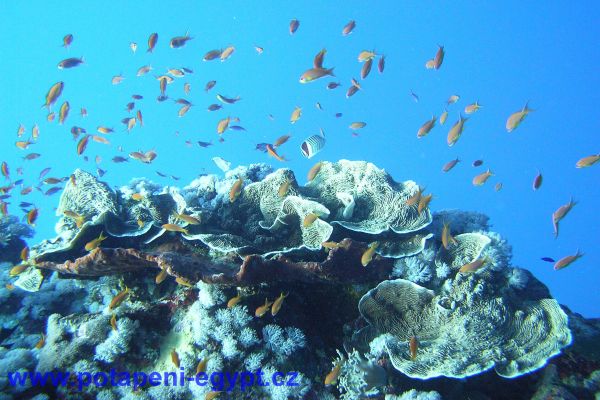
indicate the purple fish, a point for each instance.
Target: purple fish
{"x":333,"y":85}
{"x":237,"y":128}
{"x":53,"y":190}
{"x":161,"y":174}
{"x":119,"y":159}
{"x":204,"y":144}
{"x":44,"y":173}
{"x":70,"y":63}
{"x":262,"y":147}
{"x":137,"y":96}
{"x":214,"y":107}
{"x":548,"y":259}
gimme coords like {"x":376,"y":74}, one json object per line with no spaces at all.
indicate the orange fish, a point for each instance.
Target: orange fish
{"x":82,"y":145}
{"x":18,"y":269}
{"x":415,"y":198}
{"x":162,"y":275}
{"x":426,"y":127}
{"x":212,"y":395}
{"x":202,"y":365}
{"x":273,"y":153}
{"x":281,"y":140}
{"x":174,"y":228}
{"x":234,"y":300}
{"x":456,"y":131}
{"x":443,"y":117}
{"x":95,"y":243}
{"x":367,"y":256}
{"x":471,"y":108}
{"x":53,"y":94}
{"x":225,"y":54}
{"x":309,"y":219}
{"x":560,"y":213}
{"x":223,"y":125}
{"x":118,"y":299}
{"x":366,"y":55}
{"x":566,"y":261}
{"x":24,"y":255}
{"x":262,"y":310}
{"x":277,"y":304}
{"x":314,"y":171}
{"x":152,"y":42}
{"x":348,"y":28}
{"x":32,"y":216}
{"x":63,"y":112}
{"x":413,"y":347}
{"x":447,"y":238}
{"x":296,"y":114}
{"x":515,"y":119}
{"x":330,"y":245}
{"x":284,"y":188}
{"x":41,"y":342}
{"x":482,"y":178}
{"x":236,"y":190}
{"x":113,"y":322}
{"x":333,"y":375}
{"x":100,"y":139}
{"x":588,"y":161}
{"x":184,"y":282}
{"x":315,"y":73}
{"x":424,"y":203}
{"x":175,"y":358}
{"x":474,"y":266}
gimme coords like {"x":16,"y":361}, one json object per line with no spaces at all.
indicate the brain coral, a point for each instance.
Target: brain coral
{"x":466,"y":332}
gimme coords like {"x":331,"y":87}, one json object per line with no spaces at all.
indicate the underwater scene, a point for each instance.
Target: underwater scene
{"x":300,"y":200}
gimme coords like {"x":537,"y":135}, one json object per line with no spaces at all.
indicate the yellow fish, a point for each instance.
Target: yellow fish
{"x":277,"y":304}
{"x":262,"y":310}
{"x":368,"y":254}
{"x":93,"y":244}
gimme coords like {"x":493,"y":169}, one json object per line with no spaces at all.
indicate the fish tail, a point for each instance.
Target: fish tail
{"x":330,"y":71}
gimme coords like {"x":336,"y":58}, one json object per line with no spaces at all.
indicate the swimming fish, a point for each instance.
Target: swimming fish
{"x":187,"y":218}
{"x":413,"y":346}
{"x":314,"y":171}
{"x":236,"y":190}
{"x":234,"y":300}
{"x":271,"y":151}
{"x":212,"y":55}
{"x":70,"y":62}
{"x":474,"y":266}
{"x":175,"y":358}
{"x":477,"y":163}
{"x":228,"y":100}
{"x":79,"y":219}
{"x":184,"y":282}
{"x":118,"y":299}
{"x":498,"y":186}
{"x":152,"y":39}
{"x":367,"y":256}
{"x":53,"y":94}
{"x":117,"y":79}
{"x":41,"y":342}
{"x":313,"y":74}
{"x":426,"y":127}
{"x":456,"y":131}
{"x":32,"y":216}
{"x":67,"y":40}
{"x":366,"y":55}
{"x":18,"y":269}
{"x":144,"y":70}
{"x":537,"y":181}
{"x":471,"y":108}
{"x":333,"y":375}
{"x":482,"y":178}
{"x":452,"y":99}
{"x":284,"y":188}
{"x":424,"y":203}
{"x":180,"y":41}
{"x":515,"y":119}
{"x":357,"y":125}
{"x":330,"y":245}
{"x":309,"y":219}
{"x":225,"y":54}
{"x":366,"y":68}
{"x":281,"y":140}
{"x":447,"y":238}
{"x":439,"y":57}
{"x":222,"y":125}
{"x":333,"y":85}
{"x":95,"y":243}
{"x":133,"y":46}
{"x":161,"y":276}
{"x":262,"y":310}
{"x":312,"y":145}
{"x":443,"y":117}
{"x":381,"y":64}
{"x":548,"y":259}
{"x":278,"y":303}
{"x":294,"y":24}
{"x":174,"y":228}
{"x":587,"y":161}
{"x":296,"y":114}
{"x":209,"y":85}
{"x":450,"y":164}
{"x":415,"y":197}
{"x":348,"y":28}
{"x":213,"y":394}
{"x":202,"y":365}
{"x":82,"y":145}
{"x":568,"y":260}
{"x":63,"y":112}
{"x":560,"y":213}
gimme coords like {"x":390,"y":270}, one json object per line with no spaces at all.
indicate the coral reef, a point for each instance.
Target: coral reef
{"x":12,"y":233}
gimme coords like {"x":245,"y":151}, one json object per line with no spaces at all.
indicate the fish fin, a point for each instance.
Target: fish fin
{"x":330,"y":71}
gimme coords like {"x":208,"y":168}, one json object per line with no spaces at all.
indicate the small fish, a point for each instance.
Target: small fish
{"x":314,"y":171}
{"x":262,"y":147}
{"x":41,"y":342}
{"x":225,"y":54}
{"x":357,"y":125}
{"x":51,"y":116}
{"x":415,"y":197}
{"x":426,"y":127}
{"x":202,"y":365}
{"x":174,"y":228}
{"x":366,"y":55}
{"x":294,"y":24}
{"x":452,"y":99}
{"x":133,"y":46}
{"x":450,"y":164}
{"x":413,"y":346}
{"x":70,"y":63}
{"x":234,"y":300}
{"x":447,"y":238}
{"x":82,"y":145}
{"x":79,"y":219}
{"x":179,"y":41}
{"x":277,"y":304}
{"x":204,"y":144}
{"x":67,"y":40}
{"x":309,"y":219}
{"x":498,"y":186}
{"x":119,"y":159}
{"x":348,"y":28}
{"x":18,"y":269}
{"x":32,"y":216}
{"x":113,"y":322}
{"x":5,"y":170}
{"x":430,"y":64}
{"x":333,"y":375}
{"x":474,"y":266}
{"x":161,"y":276}
{"x":296,"y":114}
{"x":313,"y":74}
{"x":587,"y":161}
{"x":209,"y":85}
{"x":568,"y":260}
{"x":366,"y":68}
{"x":548,"y":259}
{"x":259,"y":49}
{"x":228,"y":100}
{"x":439,"y":57}
{"x":330,"y":245}
{"x":424,"y":203}
{"x":175,"y":358}
{"x":212,"y":55}
{"x":117,"y":79}
{"x":537,"y":181}
{"x":214,"y":107}
{"x":144,"y":70}
{"x":284,"y":188}
{"x":187,"y":218}
{"x":312,"y":145}
{"x":351,"y":91}
{"x":213,"y":394}
{"x":63,"y":112}
{"x":471,"y":108}
{"x":443,"y":117}
{"x":24,"y":255}
{"x":262,"y":310}
{"x":104,"y":130}
{"x":333,"y":85}
{"x":515,"y":119}
{"x":367,"y":256}
{"x":53,"y":94}
{"x":281,"y":140}
{"x":100,"y":139}
{"x":183,"y":110}
{"x":32,"y":156}
{"x":456,"y":131}
{"x":118,"y":299}
{"x":560,"y":213}
{"x":187,"y":87}
{"x":414,"y":96}
{"x":236,"y":190}
{"x":95,"y":243}
{"x":381,"y":64}
{"x":482,"y":178}
{"x":137,"y":197}
{"x":184,"y":282}
{"x":152,"y":39}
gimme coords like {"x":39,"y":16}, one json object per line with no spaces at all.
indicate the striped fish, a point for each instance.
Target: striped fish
{"x":312,"y":145}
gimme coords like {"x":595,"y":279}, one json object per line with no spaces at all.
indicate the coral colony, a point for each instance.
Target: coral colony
{"x":349,"y":282}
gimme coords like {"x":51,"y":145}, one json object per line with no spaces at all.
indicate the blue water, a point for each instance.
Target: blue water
{"x":499,"y":54}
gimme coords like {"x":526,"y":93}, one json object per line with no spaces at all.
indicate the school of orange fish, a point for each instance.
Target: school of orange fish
{"x":316,"y":72}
